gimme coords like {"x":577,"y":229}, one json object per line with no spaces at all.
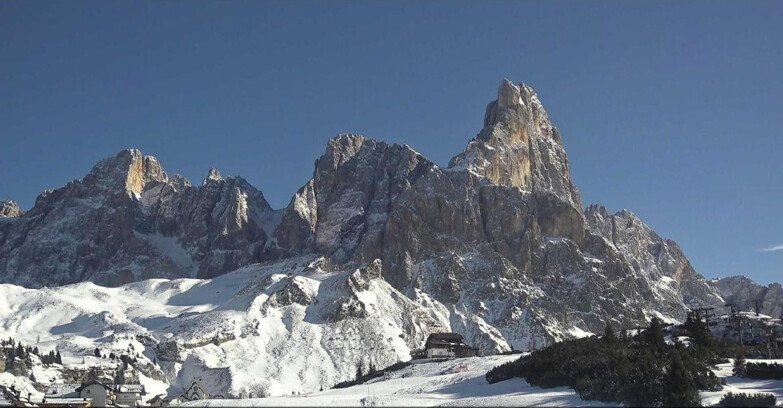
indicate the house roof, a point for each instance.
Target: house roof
{"x":159,"y":397}
{"x":61,"y":389}
{"x":4,"y":401}
{"x":65,"y":401}
{"x":129,"y":388}
{"x":448,"y":337}
{"x":87,"y":384}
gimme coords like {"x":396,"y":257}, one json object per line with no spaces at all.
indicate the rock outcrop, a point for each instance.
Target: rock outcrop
{"x":658,"y":260}
{"x":9,"y":209}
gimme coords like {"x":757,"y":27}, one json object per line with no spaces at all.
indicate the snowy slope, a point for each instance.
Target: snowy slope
{"x":439,"y":384}
{"x":428,"y":384}
{"x":266,"y":329}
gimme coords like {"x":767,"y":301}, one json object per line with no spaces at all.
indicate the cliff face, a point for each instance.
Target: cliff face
{"x":498,"y":240}
{"x":496,"y":246}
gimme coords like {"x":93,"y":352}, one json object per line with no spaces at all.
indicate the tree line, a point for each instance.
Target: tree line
{"x":639,"y":370}
{"x":19,"y":356}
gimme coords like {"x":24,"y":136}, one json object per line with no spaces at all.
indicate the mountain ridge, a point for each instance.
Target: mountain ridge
{"x":496,"y":246}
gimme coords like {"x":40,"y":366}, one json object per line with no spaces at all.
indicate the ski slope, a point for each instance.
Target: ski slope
{"x":427,"y":384}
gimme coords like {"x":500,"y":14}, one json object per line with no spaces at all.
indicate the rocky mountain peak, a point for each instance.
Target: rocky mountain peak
{"x":597,"y":209}
{"x":508,"y":94}
{"x":342,"y":148}
{"x":9,"y":209}
{"x":213,"y":175}
{"x":128,"y":169}
{"x":519,"y":147}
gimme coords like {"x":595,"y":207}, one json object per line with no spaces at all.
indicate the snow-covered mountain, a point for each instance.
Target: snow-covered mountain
{"x":294,"y":325}
{"x":743,"y":293}
{"x":380,"y":248}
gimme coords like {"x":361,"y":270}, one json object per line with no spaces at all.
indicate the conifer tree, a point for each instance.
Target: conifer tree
{"x":739,"y":365}
{"x":678,"y":386}
{"x":699,"y":332}
{"x":609,"y":336}
{"x":654,"y":335}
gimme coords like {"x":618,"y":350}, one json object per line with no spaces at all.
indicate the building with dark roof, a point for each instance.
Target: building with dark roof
{"x":448,"y":345}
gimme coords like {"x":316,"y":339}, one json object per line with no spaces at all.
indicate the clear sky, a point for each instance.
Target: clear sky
{"x":673,"y":110}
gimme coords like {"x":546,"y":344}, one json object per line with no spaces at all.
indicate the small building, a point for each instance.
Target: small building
{"x":62,"y":391}
{"x":158,"y":401}
{"x":101,"y":394}
{"x":195,"y":392}
{"x":448,"y":345}
{"x":11,"y":397}
{"x":128,"y":395}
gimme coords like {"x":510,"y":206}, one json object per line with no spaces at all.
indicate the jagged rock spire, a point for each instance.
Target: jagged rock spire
{"x":508,"y":94}
{"x":213,"y":175}
{"x":9,"y":209}
{"x":519,"y":147}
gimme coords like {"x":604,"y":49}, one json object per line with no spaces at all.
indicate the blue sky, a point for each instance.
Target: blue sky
{"x":670,"y":109}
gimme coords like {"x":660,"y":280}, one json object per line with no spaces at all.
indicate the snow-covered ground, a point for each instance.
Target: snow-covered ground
{"x":737,"y":384}
{"x":269,"y":329}
{"x":264,"y":329}
{"x":428,"y":384}
{"x":441,"y":384}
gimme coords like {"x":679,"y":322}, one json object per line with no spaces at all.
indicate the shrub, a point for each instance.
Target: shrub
{"x":747,"y":400}
{"x":763,"y":371}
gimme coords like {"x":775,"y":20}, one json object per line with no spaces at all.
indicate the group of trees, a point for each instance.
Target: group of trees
{"x":757,"y":371}
{"x":124,"y":358}
{"x":18,"y":356}
{"x":747,"y":400}
{"x":640,"y":370}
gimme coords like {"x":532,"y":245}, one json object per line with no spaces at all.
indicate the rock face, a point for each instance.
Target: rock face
{"x":519,"y":147}
{"x":497,"y":242}
{"x":496,"y":246}
{"x":128,"y":220}
{"x":9,"y":209}
{"x":660,"y":261}
{"x":743,"y":292}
